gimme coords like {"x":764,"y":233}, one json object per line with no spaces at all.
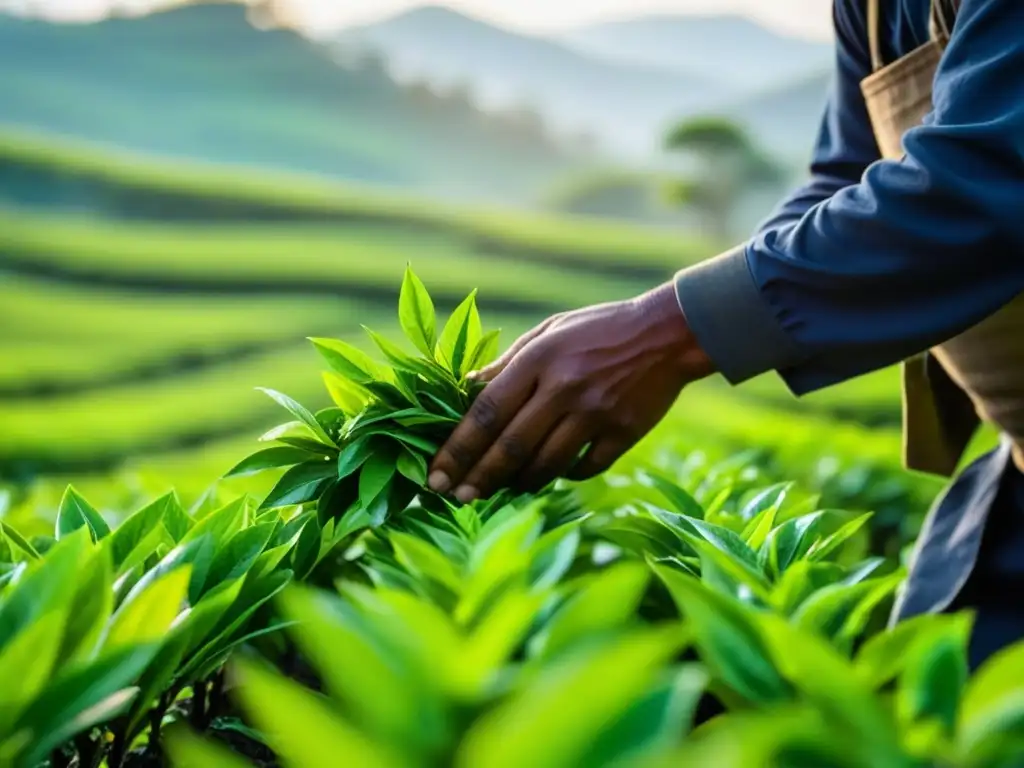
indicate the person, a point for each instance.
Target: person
{"x":906,"y":245}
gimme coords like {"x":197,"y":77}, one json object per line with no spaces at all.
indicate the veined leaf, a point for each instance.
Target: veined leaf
{"x":461,"y":334}
{"x":728,"y":638}
{"x":348,"y":360}
{"x":681,"y":499}
{"x":269,"y":458}
{"x":75,"y":512}
{"x":300,"y":412}
{"x":376,"y":473}
{"x":19,"y":542}
{"x":424,"y":560}
{"x":416,"y":313}
{"x":398,"y":359}
{"x":300,"y":484}
{"x":413,"y":466}
{"x":769,"y":497}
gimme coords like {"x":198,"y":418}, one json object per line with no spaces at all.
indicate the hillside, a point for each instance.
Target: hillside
{"x":625,"y":104}
{"x":730,"y":48}
{"x":201,"y":82}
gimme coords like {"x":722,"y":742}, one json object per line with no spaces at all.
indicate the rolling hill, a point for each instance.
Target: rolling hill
{"x":625,"y":82}
{"x":732,"y":49}
{"x":200,"y":81}
{"x":624,"y":104}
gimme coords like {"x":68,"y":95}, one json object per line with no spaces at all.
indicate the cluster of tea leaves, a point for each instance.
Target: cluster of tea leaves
{"x":513,"y":636}
{"x":367,"y":456}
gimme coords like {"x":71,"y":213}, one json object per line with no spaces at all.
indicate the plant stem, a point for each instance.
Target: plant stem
{"x":197,"y":717}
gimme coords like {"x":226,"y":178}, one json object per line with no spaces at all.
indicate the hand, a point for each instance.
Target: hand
{"x":598,"y":378}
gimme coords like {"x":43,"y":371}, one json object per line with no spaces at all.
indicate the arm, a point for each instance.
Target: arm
{"x":916,"y":252}
{"x":846,"y":143}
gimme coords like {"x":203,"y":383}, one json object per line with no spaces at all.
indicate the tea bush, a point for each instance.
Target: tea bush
{"x":666,"y":614}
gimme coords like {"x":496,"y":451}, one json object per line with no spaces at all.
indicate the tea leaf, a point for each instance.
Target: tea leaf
{"x":413,"y":466}
{"x":416,"y":313}
{"x":460,"y":335}
{"x":346,"y":394}
{"x":348,"y":360}
{"x":300,"y":484}
{"x":485,"y":352}
{"x":75,"y":512}
{"x":268,"y":458}
{"x":300,"y":412}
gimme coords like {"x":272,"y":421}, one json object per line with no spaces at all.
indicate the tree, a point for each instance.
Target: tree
{"x":726,"y":163}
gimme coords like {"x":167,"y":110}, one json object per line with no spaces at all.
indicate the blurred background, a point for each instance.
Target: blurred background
{"x":189,"y":190}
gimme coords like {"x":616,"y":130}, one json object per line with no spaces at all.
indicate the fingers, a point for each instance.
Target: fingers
{"x":601,"y":456}
{"x":554,"y":458}
{"x":490,"y":414}
{"x":512,"y":450}
{"x":489,"y":372}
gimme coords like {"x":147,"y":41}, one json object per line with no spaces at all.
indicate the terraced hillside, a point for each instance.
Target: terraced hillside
{"x":143,"y":303}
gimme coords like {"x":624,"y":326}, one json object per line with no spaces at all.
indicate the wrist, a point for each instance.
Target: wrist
{"x":665,"y":320}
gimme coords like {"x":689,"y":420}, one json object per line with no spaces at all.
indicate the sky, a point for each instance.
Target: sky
{"x":807,"y":18}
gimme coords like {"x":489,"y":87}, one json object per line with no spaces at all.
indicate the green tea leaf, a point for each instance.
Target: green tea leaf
{"x":883,"y":656}
{"x":147,"y":614}
{"x":607,"y":601}
{"x":190,"y":751}
{"x":346,"y":394}
{"x":413,"y":466}
{"x":301,"y":727}
{"x":348,"y":360}
{"x":416,"y":313}
{"x":425,"y":561}
{"x":303,"y":482}
{"x":139,"y":535}
{"x":484,"y":353}
{"x":933,"y":679}
{"x":993,"y":702}
{"x":354,"y":455}
{"x":399,"y":360}
{"x":830,"y":544}
{"x":300,"y":412}
{"x":683,"y":502}
{"x":19,"y":542}
{"x":75,"y":512}
{"x":376,"y":473}
{"x":555,"y":721}
{"x":83,"y":697}
{"x":727,"y":635}
{"x":460,"y":335}
{"x":269,"y":458}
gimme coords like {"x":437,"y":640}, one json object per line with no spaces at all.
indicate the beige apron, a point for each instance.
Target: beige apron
{"x":978,"y":375}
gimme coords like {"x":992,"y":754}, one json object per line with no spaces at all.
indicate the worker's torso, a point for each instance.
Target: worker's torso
{"x":905,"y":42}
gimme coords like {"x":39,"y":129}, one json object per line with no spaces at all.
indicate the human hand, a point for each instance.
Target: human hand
{"x":598,"y":378}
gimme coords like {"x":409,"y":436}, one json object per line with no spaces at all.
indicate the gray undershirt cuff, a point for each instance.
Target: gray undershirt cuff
{"x":731,"y":319}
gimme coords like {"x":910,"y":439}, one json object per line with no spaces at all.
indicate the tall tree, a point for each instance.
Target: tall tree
{"x":725,"y":163}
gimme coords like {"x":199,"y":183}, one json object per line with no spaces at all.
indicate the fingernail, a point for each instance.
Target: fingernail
{"x":466,"y":493}
{"x":439,"y":482}
{"x":473,"y":375}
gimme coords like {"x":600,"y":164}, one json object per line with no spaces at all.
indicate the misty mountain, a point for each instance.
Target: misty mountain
{"x":732,"y":49}
{"x":786,"y":119}
{"x":201,"y":81}
{"x":627,"y":105}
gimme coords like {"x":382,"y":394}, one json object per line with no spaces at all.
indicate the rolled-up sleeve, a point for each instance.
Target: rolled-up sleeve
{"x":917,"y":250}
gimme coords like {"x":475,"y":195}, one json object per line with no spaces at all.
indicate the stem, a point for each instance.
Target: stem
{"x":156,"y":721}
{"x":197,"y":717}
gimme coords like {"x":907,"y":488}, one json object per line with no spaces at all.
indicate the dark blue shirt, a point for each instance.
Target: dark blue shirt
{"x":873,"y":261}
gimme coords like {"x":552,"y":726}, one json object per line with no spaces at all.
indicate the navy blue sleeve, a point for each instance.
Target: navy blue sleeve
{"x":917,"y":251}
{"x":846,"y":142}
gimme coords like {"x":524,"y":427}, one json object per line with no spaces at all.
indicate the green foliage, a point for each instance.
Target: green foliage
{"x":366,"y":458}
